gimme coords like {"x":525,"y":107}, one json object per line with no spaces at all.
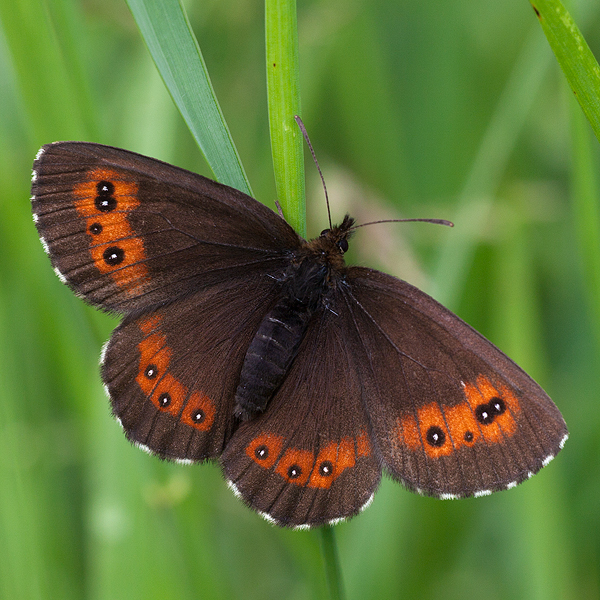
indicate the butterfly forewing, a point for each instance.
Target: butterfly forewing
{"x":128,"y":232}
{"x":451,"y":414}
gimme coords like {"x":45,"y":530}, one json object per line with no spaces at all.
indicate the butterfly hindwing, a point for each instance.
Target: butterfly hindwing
{"x":172,"y":373}
{"x":308,"y":460}
{"x":451,"y":414}
{"x":127,"y":232}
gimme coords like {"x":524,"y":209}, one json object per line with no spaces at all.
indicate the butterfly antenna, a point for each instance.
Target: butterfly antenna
{"x":434,"y":221}
{"x":305,"y":134}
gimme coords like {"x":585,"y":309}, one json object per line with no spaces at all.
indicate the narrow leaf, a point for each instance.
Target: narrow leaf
{"x":574,"y":56}
{"x":174,"y":48}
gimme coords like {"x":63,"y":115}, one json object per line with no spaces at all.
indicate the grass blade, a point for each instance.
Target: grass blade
{"x":175,"y":50}
{"x":584,"y":192}
{"x":574,"y":56}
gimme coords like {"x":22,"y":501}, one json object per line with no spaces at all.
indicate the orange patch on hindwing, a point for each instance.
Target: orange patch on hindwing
{"x":265,"y":449}
{"x":300,"y":467}
{"x":331,"y":461}
{"x":295,"y":465}
{"x":104,"y":200}
{"x":486,"y":414}
{"x":164,"y":390}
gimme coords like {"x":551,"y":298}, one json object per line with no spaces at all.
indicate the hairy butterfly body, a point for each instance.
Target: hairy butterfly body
{"x":242,"y":342}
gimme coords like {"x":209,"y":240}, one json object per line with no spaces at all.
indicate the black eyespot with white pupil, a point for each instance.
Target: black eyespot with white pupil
{"x":151,"y":371}
{"x":486,"y":413}
{"x":294,"y":472}
{"x":497,"y":406}
{"x":113,"y":256}
{"x":105,"y":200}
{"x":261,"y":452}
{"x":326,"y":469}
{"x":95,"y":228}
{"x":469,"y":436}
{"x":198,"y":416}
{"x":105,"y":188}
{"x":164,"y":400}
{"x":435,"y":436}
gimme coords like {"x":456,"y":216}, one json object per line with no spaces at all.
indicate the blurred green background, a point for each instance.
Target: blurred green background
{"x":440,"y":109}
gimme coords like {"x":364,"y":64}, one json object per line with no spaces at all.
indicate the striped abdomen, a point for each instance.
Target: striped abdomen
{"x":278,"y":339}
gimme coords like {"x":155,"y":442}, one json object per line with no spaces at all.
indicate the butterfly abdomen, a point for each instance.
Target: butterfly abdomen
{"x":278,"y":337}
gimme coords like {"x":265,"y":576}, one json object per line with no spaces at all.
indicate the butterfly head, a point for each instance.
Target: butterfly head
{"x":335,"y":239}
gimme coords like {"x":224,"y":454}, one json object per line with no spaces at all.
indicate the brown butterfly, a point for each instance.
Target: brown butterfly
{"x":244,"y":343}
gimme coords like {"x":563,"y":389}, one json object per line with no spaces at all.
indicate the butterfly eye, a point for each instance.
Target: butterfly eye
{"x":343,"y":245}
{"x":325,"y":232}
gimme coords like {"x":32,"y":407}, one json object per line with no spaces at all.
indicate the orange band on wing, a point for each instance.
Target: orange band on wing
{"x":149,"y":324}
{"x":488,"y":414}
{"x":164,"y":390}
{"x":300,"y":467}
{"x":104,"y":201}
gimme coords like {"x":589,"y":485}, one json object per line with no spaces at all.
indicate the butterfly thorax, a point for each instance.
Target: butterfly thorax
{"x":312,"y":271}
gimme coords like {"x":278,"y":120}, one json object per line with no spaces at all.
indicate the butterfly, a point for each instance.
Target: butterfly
{"x":243,"y":343}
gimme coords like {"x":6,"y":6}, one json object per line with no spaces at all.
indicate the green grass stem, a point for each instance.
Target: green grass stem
{"x":331,"y":560}
{"x":283,"y":90}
